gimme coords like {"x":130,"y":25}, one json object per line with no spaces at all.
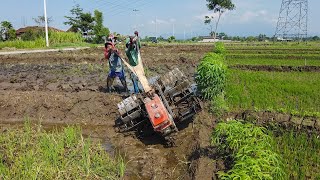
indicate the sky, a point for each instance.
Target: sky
{"x":182,"y":18}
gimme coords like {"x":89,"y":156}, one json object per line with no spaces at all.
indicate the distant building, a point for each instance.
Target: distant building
{"x":21,"y":31}
{"x":206,"y":39}
{"x":284,"y":39}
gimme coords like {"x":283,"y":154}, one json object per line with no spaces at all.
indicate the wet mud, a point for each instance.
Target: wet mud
{"x":58,"y":89}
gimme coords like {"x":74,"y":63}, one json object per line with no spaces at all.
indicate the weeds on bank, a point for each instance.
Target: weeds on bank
{"x":31,"y":153}
{"x":252,"y":150}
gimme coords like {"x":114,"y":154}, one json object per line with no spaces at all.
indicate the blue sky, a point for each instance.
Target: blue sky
{"x":180,"y":17}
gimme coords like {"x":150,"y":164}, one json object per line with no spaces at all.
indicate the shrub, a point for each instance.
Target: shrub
{"x":252,"y":149}
{"x":211,"y":75}
{"x":219,"y":48}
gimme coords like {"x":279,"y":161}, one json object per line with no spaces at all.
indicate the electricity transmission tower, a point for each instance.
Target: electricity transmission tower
{"x":293,"y":20}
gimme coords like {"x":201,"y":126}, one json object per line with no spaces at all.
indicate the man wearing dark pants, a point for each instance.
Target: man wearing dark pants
{"x":132,"y":51}
{"x":115,"y":65}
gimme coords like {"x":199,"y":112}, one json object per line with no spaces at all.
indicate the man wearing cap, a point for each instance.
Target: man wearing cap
{"x":132,"y":51}
{"x":111,"y":53}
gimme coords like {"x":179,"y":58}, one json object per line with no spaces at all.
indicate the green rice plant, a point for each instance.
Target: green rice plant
{"x":121,"y":165}
{"x":300,"y":152}
{"x":211,"y":75}
{"x":252,"y":149}
{"x":219,"y":48}
{"x":274,"y":56}
{"x":218,"y":105}
{"x":32,"y":154}
{"x":274,"y":62}
{"x":275,"y":91}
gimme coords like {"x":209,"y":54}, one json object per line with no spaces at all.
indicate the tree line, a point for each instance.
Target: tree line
{"x":88,"y":24}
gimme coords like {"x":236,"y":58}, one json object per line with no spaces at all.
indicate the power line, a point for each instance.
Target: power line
{"x":141,"y":7}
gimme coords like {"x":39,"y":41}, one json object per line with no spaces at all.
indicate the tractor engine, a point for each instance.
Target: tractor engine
{"x":173,"y":102}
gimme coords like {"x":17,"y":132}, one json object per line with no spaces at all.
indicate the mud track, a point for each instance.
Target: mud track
{"x":58,"y":89}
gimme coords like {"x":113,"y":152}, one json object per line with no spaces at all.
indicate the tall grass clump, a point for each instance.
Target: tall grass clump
{"x":65,"y":37}
{"x":219,"y":48}
{"x":211,"y":75}
{"x":252,"y":150}
{"x":31,"y":153}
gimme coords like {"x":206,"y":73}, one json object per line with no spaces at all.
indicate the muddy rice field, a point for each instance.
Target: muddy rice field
{"x":58,"y":89}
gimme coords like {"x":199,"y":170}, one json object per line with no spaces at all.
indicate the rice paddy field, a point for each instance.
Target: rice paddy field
{"x":71,"y":133}
{"x":277,"y":78}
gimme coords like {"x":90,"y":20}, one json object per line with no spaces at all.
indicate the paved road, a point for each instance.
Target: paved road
{"x":41,"y":51}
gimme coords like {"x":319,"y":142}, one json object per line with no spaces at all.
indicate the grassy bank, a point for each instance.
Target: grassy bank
{"x":295,"y":92}
{"x":56,"y":39}
{"x":32,"y":153}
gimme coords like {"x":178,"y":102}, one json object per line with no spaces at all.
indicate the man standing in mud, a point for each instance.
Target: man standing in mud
{"x":132,"y":51}
{"x":116,"y":68}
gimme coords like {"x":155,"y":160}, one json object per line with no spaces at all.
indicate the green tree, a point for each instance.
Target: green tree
{"x":6,"y":30}
{"x":80,"y":21}
{"x":219,"y":6}
{"x":251,"y":38}
{"x":99,"y":30}
{"x":171,"y":39}
{"x":316,"y":38}
{"x":262,"y":37}
{"x":208,"y":21}
{"x":40,"y":20}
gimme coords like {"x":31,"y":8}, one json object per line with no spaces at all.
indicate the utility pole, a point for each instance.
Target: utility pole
{"x":46,"y":22}
{"x":156,"y":28}
{"x":293,"y":20}
{"x":172,"y":29}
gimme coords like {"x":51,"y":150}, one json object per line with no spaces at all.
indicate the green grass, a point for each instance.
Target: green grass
{"x":271,"y":45}
{"x":275,"y":62}
{"x":32,"y":153}
{"x":293,"y":92}
{"x":56,"y":39}
{"x":274,"y":56}
{"x":301,"y":154}
{"x":252,"y":150}
{"x":275,"y":51}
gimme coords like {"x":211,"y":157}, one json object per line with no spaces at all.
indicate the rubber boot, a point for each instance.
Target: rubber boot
{"x":124,"y":84}
{"x":109,"y":83}
{"x":135,"y":85}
